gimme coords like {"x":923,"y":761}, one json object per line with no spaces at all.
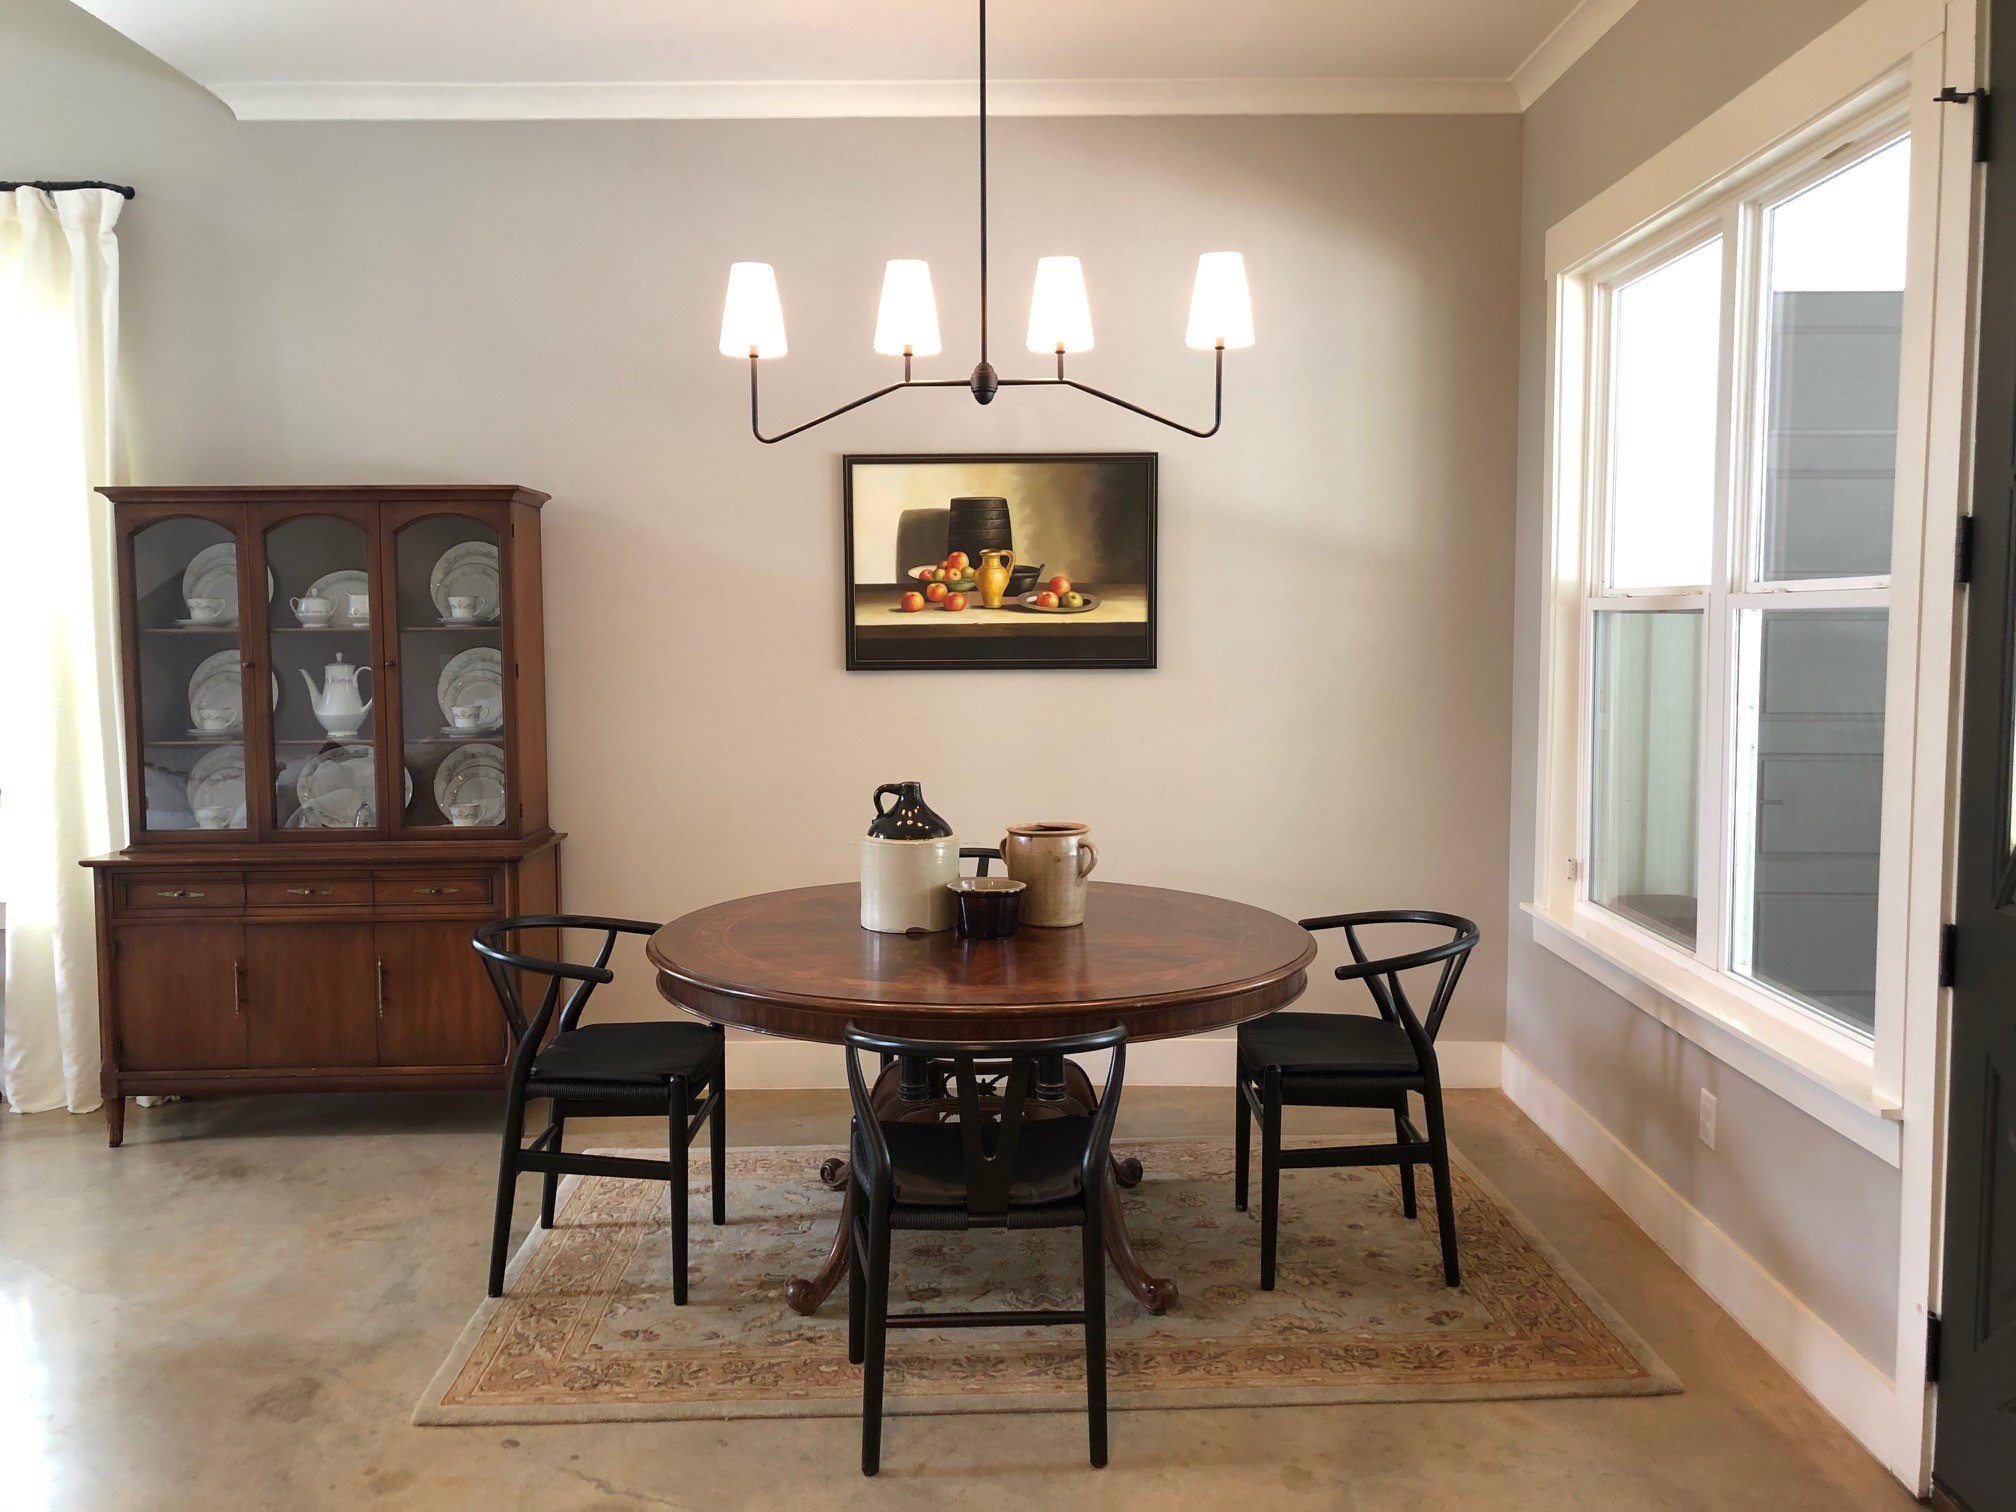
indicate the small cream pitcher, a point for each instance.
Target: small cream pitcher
{"x":1052,"y":860}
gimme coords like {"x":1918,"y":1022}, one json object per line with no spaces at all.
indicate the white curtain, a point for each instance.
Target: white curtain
{"x":59,"y":782}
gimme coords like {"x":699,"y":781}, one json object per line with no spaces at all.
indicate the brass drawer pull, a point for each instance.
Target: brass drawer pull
{"x":381,"y":987}
{"x":309,"y":892}
{"x":237,"y":988}
{"x":178,"y":892}
{"x":435,"y":892}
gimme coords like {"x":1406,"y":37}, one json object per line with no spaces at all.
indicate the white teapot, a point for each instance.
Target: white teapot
{"x":336,"y":703}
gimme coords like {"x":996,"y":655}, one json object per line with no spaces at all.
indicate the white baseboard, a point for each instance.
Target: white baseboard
{"x":1199,"y":1061}
{"x":1862,"y":1397}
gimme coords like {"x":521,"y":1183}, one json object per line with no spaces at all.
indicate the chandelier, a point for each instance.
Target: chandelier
{"x":1060,"y":319}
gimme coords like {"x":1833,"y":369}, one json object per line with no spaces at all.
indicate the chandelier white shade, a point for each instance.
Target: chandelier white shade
{"x":1060,"y":316}
{"x":752,"y":318}
{"x":1221,"y":311}
{"x":907,"y":323}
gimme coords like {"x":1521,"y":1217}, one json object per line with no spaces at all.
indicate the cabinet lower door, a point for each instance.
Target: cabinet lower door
{"x":440,"y":1009}
{"x":311,"y":995}
{"x":177,"y":992}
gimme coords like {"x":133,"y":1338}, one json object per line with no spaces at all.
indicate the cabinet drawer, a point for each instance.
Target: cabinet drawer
{"x":306,"y":892}
{"x":443,"y":889}
{"x":179,"y":892}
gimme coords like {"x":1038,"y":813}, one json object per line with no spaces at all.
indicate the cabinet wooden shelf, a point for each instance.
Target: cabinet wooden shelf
{"x":319,"y":939}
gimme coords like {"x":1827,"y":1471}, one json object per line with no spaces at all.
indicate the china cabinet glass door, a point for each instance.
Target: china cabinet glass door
{"x":449,"y":597}
{"x":323,"y":654}
{"x":189,"y":660}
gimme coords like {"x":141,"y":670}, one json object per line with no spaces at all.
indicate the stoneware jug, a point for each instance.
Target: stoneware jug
{"x":1054,"y":859}
{"x":338,"y":706}
{"x":907,"y":858}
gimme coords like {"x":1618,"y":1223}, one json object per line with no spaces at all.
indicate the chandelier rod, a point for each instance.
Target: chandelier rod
{"x":983,"y":183}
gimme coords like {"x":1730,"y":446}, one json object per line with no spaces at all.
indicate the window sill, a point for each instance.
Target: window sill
{"x":1804,"y":1069}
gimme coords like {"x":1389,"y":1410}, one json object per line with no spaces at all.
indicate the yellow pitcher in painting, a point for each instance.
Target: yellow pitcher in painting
{"x":996,"y":567}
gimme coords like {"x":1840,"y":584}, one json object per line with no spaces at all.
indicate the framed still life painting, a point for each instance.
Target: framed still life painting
{"x":959,"y":562}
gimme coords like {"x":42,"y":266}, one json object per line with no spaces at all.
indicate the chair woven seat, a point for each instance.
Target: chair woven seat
{"x":1327,"y":1044}
{"x":626,"y":1056}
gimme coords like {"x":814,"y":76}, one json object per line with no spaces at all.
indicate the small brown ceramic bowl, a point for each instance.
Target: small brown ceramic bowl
{"x":989,"y":907}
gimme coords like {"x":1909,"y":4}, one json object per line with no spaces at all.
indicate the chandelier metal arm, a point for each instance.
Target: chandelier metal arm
{"x":755,"y":420}
{"x":1217,"y":397}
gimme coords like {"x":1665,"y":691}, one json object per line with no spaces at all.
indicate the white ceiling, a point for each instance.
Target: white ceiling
{"x":321,"y":59}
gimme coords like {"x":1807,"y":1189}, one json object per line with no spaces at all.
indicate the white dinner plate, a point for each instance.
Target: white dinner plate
{"x":336,"y":784}
{"x":213,"y":573}
{"x":337,"y":588}
{"x":217,"y":780}
{"x":472,"y":774}
{"x":218,"y":684}
{"x":468,"y":567}
{"x":475,"y":676}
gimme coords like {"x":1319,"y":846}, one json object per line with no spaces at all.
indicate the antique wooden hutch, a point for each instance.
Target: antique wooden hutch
{"x":294,"y":907}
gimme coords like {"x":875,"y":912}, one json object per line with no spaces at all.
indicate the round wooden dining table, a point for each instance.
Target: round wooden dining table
{"x":798,"y":964}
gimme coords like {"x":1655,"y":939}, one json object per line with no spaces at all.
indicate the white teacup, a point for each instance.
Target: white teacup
{"x":215,"y":719}
{"x":462,"y":815}
{"x":466,"y":716}
{"x":360,"y":608}
{"x":314,"y":610}
{"x":463,"y":606}
{"x":213,"y":817}
{"x":205,"y":610}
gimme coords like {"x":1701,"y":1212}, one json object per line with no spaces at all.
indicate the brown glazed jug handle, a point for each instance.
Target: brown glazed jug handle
{"x":1088,"y":857}
{"x":887,"y":787}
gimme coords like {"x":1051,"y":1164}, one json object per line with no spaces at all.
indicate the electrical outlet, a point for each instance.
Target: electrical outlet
{"x":1708,"y":1118}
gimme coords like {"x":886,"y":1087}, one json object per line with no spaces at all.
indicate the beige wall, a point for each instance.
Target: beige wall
{"x":1816,"y":1211}
{"x":538,"y":303}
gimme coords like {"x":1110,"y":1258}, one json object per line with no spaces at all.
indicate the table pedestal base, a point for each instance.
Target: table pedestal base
{"x":1156,"y":1294}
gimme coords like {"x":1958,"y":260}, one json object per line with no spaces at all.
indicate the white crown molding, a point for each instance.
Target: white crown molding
{"x":1558,"y":52}
{"x":786,"y":99}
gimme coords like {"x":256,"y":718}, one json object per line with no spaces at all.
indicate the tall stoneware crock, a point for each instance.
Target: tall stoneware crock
{"x":1052,"y":859}
{"x":908,"y":857}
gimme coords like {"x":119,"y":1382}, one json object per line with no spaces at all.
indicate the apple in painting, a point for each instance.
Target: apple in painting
{"x":936,"y":592}
{"x":1060,"y":585}
{"x":1074,"y":601}
{"x":958,"y":562}
{"x":910,"y":603}
{"x":1046,"y":600}
{"x":954,"y":601}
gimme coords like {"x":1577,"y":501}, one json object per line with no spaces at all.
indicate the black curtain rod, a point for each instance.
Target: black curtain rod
{"x":124,"y":191}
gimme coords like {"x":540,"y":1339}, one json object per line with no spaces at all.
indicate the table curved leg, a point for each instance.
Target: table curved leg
{"x":804,"y":1296}
{"x":1155,"y":1293}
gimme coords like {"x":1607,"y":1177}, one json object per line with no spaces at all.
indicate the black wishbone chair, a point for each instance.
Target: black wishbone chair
{"x":617,"y":1070}
{"x":1005,"y":1163}
{"x":1347,"y":1060}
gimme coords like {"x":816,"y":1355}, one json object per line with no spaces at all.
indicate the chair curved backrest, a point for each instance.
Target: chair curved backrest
{"x":504,"y":966}
{"x":986,"y":855}
{"x":1383,"y":975}
{"x":990,"y":1121}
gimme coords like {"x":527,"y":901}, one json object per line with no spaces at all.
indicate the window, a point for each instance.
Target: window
{"x":1740,"y":388}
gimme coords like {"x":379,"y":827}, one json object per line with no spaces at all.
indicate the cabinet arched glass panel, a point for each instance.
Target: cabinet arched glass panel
{"x":190,"y":684}
{"x":320,"y":646}
{"x":453,"y":675}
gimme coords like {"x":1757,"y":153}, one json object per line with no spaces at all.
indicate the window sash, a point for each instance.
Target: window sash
{"x":1737,"y":584}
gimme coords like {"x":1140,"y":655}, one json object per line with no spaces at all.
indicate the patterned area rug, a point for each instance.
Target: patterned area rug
{"x":586,"y":1330}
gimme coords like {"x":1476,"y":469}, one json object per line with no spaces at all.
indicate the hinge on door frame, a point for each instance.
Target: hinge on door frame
{"x":1932,"y":1341}
{"x":1963,"y":551}
{"x":1949,"y":946}
{"x":1978,"y":98}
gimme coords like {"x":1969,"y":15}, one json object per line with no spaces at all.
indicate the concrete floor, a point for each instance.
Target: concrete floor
{"x":238,"y":1309}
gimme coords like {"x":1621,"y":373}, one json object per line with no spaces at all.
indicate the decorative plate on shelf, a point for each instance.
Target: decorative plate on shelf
{"x":217,"y":686}
{"x":467,"y":568}
{"x":213,"y":573}
{"x":475,"y":676}
{"x":217,"y":780}
{"x":336,"y":784}
{"x":337,"y":588}
{"x":473,"y":774}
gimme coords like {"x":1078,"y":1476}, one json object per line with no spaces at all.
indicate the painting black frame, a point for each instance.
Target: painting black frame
{"x":1150,"y":461}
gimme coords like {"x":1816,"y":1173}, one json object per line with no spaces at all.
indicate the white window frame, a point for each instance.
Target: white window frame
{"x":1867,"y":80}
